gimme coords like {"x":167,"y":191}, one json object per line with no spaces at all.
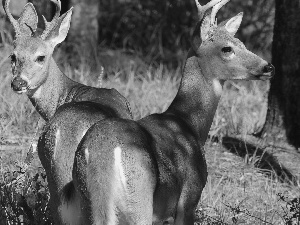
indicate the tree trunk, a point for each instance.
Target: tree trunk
{"x":84,"y":26}
{"x":283,"y":116}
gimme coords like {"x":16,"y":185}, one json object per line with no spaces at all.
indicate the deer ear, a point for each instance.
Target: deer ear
{"x":234,"y":23}
{"x":28,"y":20}
{"x":204,"y":29}
{"x":60,"y":31}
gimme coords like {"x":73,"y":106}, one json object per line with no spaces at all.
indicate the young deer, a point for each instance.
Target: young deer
{"x":69,"y":108}
{"x":152,"y":170}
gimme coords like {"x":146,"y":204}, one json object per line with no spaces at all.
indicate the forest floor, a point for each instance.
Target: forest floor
{"x":247,"y":183}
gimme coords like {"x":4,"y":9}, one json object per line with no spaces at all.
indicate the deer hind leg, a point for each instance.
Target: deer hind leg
{"x":188,"y":201}
{"x":70,"y":208}
{"x":59,"y":207}
{"x":140,"y":185}
{"x":140,"y":202}
{"x":54,"y":211}
{"x":95,"y":181}
{"x":47,"y":145}
{"x":131,"y":197}
{"x":184,"y":216}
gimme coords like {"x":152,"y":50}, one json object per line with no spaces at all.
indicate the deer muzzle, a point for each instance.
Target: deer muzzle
{"x":268,"y":70}
{"x":19,"y":85}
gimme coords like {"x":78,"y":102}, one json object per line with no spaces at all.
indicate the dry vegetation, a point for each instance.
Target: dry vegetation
{"x":239,"y":190}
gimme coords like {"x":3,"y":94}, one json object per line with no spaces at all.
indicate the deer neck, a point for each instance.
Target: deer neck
{"x":197,"y":98}
{"x":52,"y":93}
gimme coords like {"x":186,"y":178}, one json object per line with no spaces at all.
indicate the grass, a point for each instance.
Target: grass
{"x":237,"y":191}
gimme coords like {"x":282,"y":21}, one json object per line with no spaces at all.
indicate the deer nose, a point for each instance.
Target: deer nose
{"x":269,"y":68}
{"x":18,"y":84}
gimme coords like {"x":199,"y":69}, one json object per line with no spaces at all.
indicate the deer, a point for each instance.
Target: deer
{"x":67,"y":108}
{"x":153,"y":170}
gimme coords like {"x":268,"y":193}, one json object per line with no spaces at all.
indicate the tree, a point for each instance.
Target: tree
{"x":84,"y":26}
{"x":283,"y":116}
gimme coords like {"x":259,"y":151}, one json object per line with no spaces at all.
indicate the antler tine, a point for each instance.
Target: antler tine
{"x":215,"y":10}
{"x":14,"y":22}
{"x":203,"y":9}
{"x":46,"y":23}
{"x":49,"y":25}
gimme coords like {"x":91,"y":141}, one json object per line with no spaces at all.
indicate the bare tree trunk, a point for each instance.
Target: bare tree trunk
{"x":283,"y":116}
{"x":84,"y":26}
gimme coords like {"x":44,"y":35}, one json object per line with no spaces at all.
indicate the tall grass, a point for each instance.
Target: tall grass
{"x":236,"y":192}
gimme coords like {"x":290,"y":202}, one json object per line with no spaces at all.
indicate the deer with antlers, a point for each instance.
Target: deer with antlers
{"x":69,"y":108}
{"x":153,"y":170}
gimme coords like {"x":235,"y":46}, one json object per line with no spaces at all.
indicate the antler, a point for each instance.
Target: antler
{"x":50,"y":25}
{"x":204,"y":8}
{"x":13,"y":21}
{"x":215,"y":10}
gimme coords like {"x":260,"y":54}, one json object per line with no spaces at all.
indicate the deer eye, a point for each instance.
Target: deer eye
{"x":227,"y":50}
{"x":227,"y":53}
{"x":40,"y":59}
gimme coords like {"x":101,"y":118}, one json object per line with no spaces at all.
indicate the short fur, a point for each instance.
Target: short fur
{"x":162,"y":154}
{"x":69,"y":108}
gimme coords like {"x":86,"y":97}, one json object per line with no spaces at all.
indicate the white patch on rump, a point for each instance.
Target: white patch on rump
{"x":119,"y":166}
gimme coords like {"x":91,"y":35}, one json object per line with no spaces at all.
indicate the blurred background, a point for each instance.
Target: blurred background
{"x":158,"y":31}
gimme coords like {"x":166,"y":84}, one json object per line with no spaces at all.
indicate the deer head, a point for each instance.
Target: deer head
{"x":220,"y":54}
{"x":32,"y":55}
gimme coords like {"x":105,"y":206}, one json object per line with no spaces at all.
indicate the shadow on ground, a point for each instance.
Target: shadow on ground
{"x":267,"y":161}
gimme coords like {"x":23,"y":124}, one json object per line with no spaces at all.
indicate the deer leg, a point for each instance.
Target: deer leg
{"x":184,"y":216}
{"x":141,"y":206}
{"x":140,"y":185}
{"x":54,"y":205}
{"x":188,"y":201}
{"x":55,"y":158}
